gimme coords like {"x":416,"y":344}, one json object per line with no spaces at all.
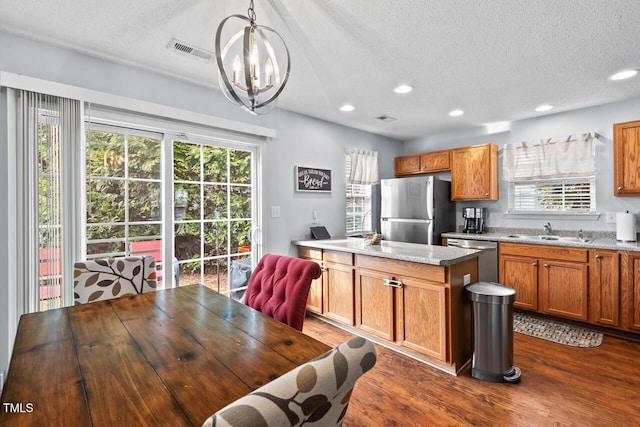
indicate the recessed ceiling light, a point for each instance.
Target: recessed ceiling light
{"x":545,"y":107}
{"x":403,"y":88}
{"x":347,"y":107}
{"x":456,"y":113}
{"x":623,"y":75}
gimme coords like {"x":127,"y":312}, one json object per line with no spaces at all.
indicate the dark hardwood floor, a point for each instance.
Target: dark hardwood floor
{"x":560,"y":386}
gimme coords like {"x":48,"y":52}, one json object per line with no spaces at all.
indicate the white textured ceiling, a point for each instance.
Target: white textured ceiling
{"x":495,"y":59}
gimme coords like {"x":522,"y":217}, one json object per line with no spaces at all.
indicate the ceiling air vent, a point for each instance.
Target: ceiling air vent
{"x":184,"y":48}
{"x":386,"y":118}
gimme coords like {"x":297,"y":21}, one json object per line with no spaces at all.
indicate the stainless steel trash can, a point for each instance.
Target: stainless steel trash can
{"x":492,"y":358}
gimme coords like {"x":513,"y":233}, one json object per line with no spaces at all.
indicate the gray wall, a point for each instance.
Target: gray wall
{"x":301,"y":140}
{"x":598,"y":119}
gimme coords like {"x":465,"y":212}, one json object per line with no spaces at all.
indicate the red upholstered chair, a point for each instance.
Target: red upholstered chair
{"x":279,"y":287}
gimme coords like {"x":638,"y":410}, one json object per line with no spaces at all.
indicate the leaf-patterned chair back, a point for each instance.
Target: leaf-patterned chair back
{"x":313,"y":394}
{"x":103,"y":279}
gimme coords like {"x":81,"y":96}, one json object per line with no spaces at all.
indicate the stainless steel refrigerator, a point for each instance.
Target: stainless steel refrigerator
{"x":417,"y":209}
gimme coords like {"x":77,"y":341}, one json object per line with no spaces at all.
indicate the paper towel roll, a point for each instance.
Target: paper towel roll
{"x":625,"y":227}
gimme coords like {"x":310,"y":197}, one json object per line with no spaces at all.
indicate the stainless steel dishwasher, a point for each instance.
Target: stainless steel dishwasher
{"x":487,"y":260}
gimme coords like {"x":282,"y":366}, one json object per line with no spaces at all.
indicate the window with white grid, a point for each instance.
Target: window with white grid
{"x":560,"y":196}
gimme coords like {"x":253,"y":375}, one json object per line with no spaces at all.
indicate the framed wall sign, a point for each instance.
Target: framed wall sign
{"x":313,"y":179}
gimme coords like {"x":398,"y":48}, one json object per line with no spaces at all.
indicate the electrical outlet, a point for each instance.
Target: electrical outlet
{"x":466,"y":279}
{"x":275,"y":211}
{"x":611,"y":217}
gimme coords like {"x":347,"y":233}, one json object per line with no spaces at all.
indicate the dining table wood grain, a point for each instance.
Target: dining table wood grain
{"x":171,"y":357}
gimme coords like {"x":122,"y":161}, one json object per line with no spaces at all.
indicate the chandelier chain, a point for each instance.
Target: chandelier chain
{"x":251,"y":13}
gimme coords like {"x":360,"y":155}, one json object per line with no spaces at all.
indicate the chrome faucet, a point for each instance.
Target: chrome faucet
{"x":547,"y":228}
{"x":580,"y":234}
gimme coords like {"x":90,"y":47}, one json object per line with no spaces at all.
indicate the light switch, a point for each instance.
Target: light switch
{"x":275,"y":211}
{"x":314,"y":215}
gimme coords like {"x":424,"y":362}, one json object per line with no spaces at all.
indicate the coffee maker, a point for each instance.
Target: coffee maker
{"x":475,"y":220}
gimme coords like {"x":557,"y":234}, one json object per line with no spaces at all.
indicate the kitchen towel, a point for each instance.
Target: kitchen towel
{"x":625,"y":227}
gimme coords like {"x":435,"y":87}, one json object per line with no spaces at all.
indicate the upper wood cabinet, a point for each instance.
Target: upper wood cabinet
{"x":436,"y":161}
{"x":474,"y":173}
{"x":626,"y":159}
{"x":406,"y":165}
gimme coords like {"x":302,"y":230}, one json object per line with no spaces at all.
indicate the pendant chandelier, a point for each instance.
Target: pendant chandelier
{"x":247,"y":50}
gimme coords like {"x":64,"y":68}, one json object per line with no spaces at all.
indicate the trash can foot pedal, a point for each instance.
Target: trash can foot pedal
{"x":513,"y":376}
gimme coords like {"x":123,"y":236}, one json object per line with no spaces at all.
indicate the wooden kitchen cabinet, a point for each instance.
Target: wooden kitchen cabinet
{"x":403,"y":302}
{"x":626,"y":159}
{"x":474,"y":173}
{"x":521,"y":274}
{"x":338,"y":286}
{"x":547,"y":279}
{"x":562,"y":289}
{"x":435,"y":161}
{"x":420,"y":314}
{"x":406,"y":165}
{"x":314,"y":301}
{"x":631,"y":291}
{"x":374,"y":303}
{"x":604,"y":287}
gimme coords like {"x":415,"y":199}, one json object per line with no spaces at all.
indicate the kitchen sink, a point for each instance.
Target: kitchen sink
{"x":549,"y":237}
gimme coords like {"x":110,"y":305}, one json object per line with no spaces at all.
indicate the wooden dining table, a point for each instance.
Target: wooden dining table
{"x":171,"y":357}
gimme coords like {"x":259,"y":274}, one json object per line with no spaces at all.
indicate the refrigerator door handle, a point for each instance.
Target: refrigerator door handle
{"x":419,"y":221}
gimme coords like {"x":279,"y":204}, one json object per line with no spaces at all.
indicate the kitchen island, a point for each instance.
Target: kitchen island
{"x":406,"y":296}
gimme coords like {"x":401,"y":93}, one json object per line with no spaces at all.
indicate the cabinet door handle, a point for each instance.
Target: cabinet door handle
{"x":324,"y":268}
{"x":535,"y":264}
{"x":620,"y":188}
{"x":393,"y":283}
{"x":598,"y":257}
{"x":546,"y":266}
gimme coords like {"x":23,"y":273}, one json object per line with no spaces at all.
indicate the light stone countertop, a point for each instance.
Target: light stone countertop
{"x":412,"y":252}
{"x":598,"y":241}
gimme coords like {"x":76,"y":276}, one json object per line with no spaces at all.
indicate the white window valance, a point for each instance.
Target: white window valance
{"x":364,"y":167}
{"x":567,"y":157}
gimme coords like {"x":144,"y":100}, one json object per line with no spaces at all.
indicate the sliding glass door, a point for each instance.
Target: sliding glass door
{"x":212,"y":199}
{"x":213,"y":190}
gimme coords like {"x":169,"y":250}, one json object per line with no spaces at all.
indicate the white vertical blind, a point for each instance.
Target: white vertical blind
{"x":49,"y":142}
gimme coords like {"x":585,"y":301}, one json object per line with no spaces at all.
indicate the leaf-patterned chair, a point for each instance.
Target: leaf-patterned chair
{"x":103,"y":279}
{"x":313,"y":394}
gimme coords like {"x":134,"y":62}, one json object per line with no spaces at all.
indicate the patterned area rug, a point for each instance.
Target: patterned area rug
{"x":555,"y":331}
